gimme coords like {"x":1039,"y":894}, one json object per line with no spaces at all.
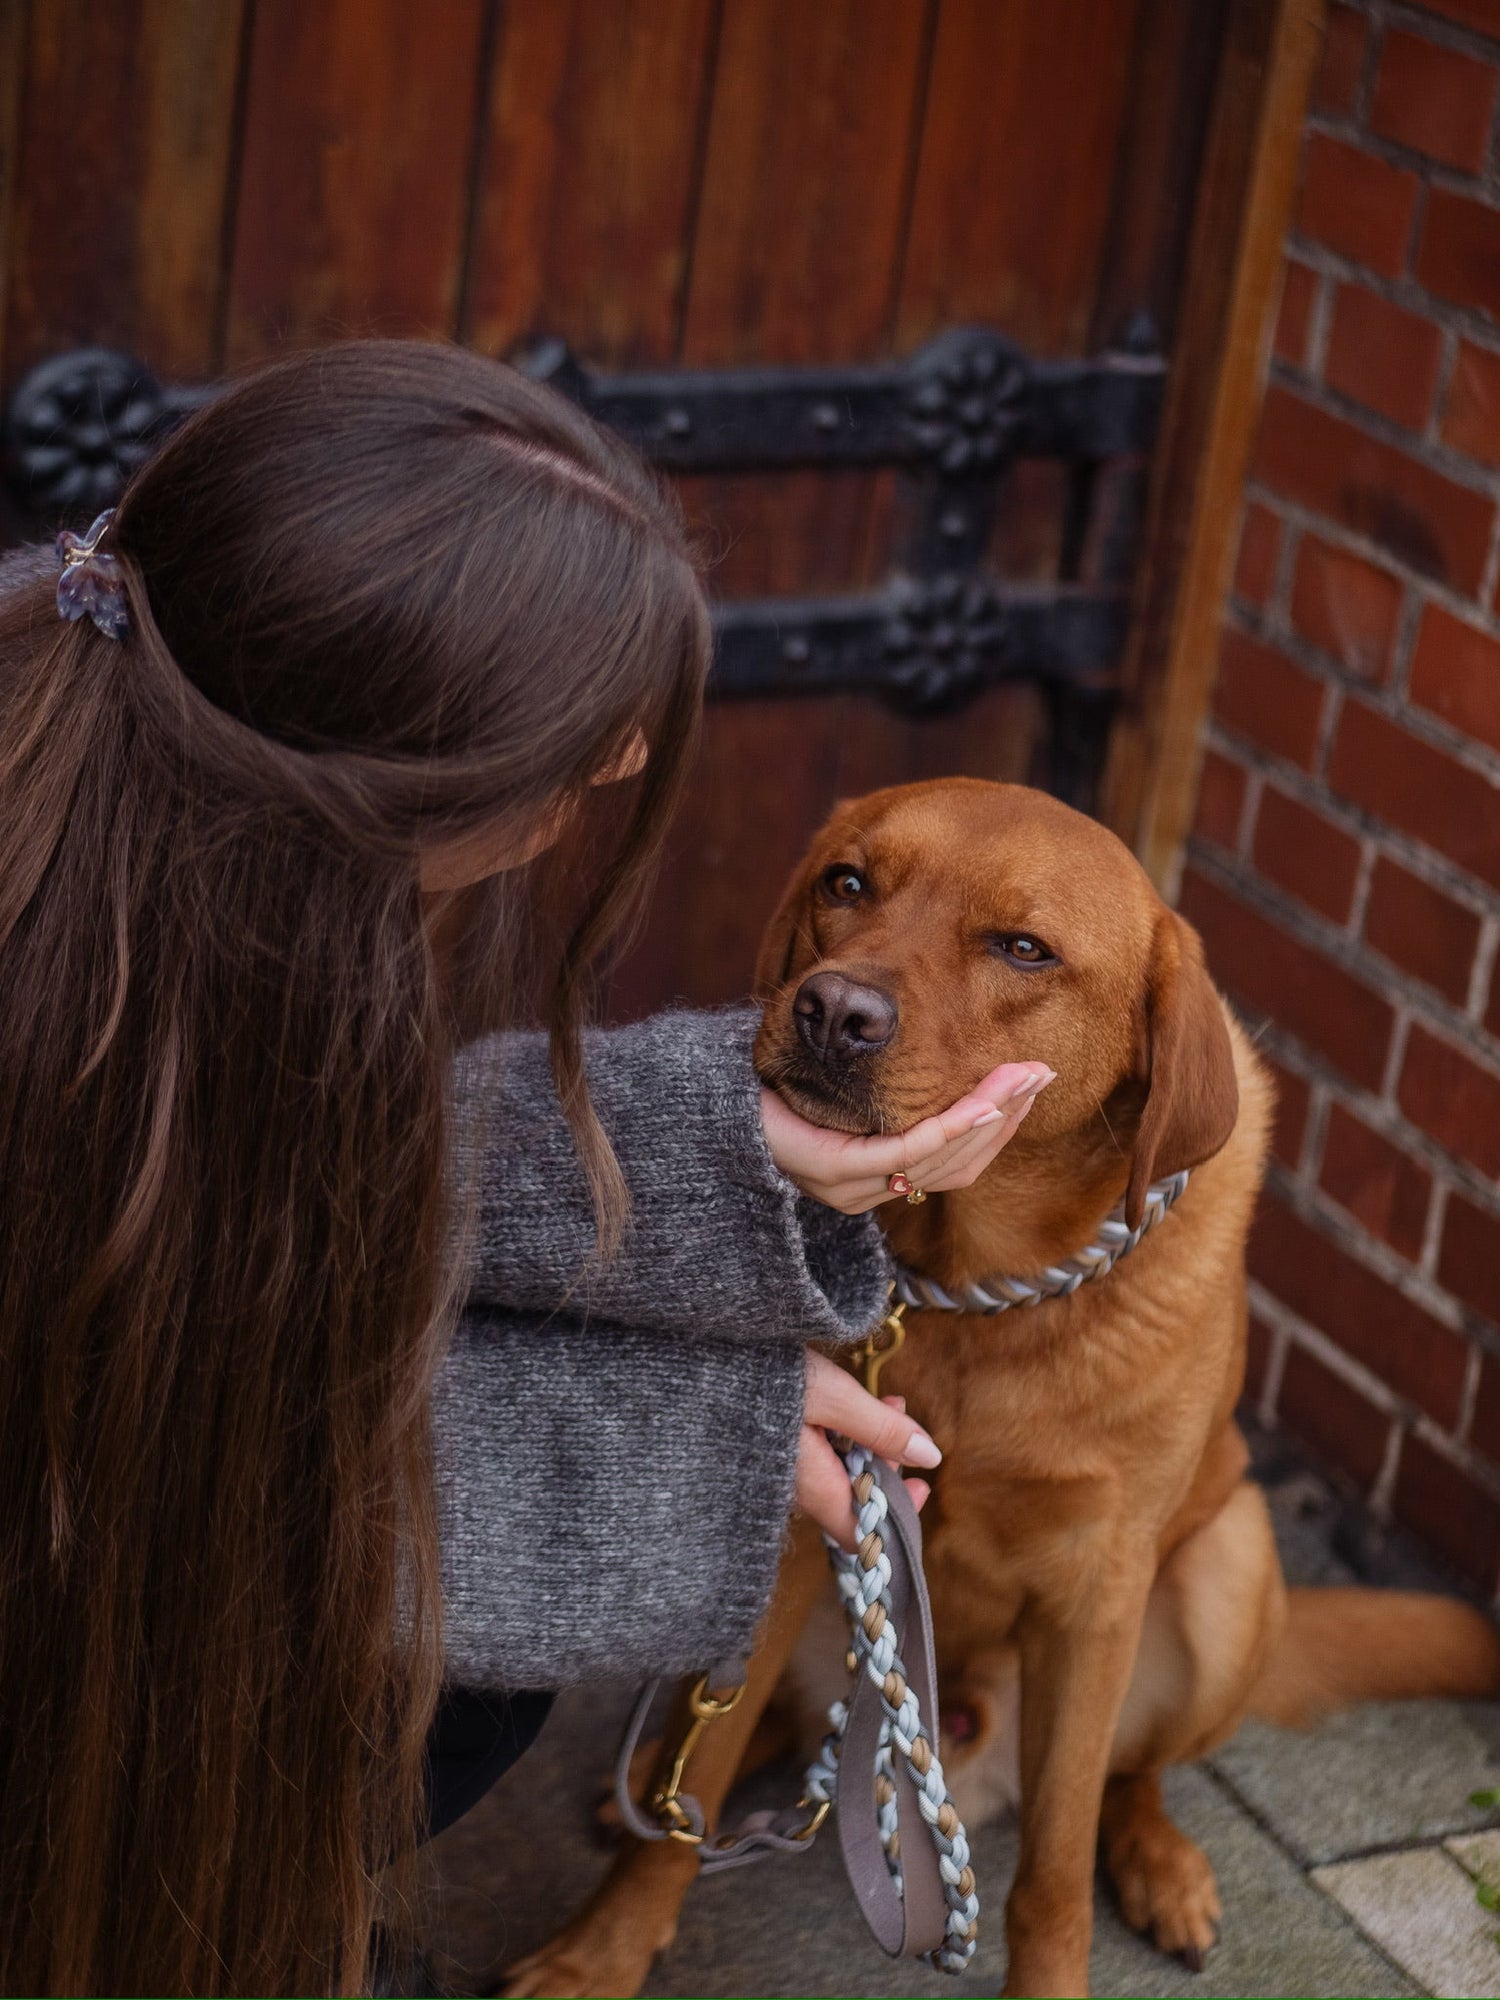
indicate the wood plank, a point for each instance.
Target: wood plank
{"x":14,"y":22}
{"x":588,"y":183}
{"x":354,"y":189}
{"x":1218,"y":368}
{"x":122,"y":167}
{"x":806,"y":181}
{"x":1167,"y":110}
{"x":1013,"y":192}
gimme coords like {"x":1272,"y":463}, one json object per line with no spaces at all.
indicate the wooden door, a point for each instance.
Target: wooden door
{"x":696,"y":183}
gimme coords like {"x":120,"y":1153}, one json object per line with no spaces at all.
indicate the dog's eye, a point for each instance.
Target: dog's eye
{"x":843,"y":883}
{"x":1021,"y":948}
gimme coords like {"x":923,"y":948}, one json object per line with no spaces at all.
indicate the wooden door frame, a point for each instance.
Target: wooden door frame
{"x":1218,"y":367}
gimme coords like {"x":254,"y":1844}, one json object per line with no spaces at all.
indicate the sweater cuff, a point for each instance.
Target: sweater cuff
{"x":612,"y":1503}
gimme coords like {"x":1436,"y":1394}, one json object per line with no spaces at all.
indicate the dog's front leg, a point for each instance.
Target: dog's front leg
{"x":1076,"y":1663}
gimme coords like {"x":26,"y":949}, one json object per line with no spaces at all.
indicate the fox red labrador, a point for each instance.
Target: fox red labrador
{"x":1106,"y":1592}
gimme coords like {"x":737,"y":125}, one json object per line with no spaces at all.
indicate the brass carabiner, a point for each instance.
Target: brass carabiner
{"x":881,"y":1346}
{"x":665,"y":1803}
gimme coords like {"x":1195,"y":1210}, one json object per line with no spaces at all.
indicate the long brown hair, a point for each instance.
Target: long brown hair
{"x":381,"y":595}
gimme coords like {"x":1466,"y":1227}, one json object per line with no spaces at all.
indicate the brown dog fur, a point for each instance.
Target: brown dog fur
{"x":1106,"y":1592}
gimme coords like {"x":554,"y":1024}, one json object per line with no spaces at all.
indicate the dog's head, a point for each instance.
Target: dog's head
{"x":937,"y":930}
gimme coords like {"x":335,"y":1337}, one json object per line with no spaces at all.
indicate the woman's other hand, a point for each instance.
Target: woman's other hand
{"x":834,"y":1401}
{"x":950,"y":1150}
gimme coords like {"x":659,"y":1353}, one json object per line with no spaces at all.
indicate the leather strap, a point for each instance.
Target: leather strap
{"x":907,"y":1924}
{"x":913,"y":1923}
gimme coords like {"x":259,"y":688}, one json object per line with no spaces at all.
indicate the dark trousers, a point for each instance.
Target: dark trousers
{"x":474,"y":1739}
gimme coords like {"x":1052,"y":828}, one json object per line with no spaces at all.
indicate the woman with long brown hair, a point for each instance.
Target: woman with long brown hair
{"x":354,"y":744}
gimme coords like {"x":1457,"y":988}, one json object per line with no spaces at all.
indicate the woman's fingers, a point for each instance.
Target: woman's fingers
{"x":822,"y":1483}
{"x":955,"y":1164}
{"x":947,"y":1150}
{"x":977,"y":1120}
{"x":834,"y":1401}
{"x":959,"y":1165}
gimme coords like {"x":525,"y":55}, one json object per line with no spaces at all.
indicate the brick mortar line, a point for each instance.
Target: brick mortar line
{"x":1382,"y":1495}
{"x":1431,"y":866}
{"x":1319,"y":328}
{"x":1468,"y":1395}
{"x":1395,"y":1057}
{"x":1353,"y":957}
{"x":1364,"y":877}
{"x":1315,"y":1136}
{"x":1442,"y":381}
{"x":1283,"y":584}
{"x":1482,"y":970}
{"x":1433,"y":1224}
{"x":1369,"y":75}
{"x":1270,"y":1392}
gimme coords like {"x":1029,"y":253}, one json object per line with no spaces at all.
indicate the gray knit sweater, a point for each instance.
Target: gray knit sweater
{"x":616,"y":1450}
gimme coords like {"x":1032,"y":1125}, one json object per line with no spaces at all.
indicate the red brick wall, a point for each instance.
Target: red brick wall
{"x":1345,"y":864}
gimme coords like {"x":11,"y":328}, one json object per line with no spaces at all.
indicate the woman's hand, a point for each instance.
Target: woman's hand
{"x":950,"y":1150}
{"x":834,"y":1401}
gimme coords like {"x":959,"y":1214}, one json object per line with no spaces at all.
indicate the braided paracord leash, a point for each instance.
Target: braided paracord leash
{"x":864,"y":1587}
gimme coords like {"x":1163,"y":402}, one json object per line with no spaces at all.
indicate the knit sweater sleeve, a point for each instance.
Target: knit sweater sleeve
{"x":613,"y":1501}
{"x":721,"y":1245}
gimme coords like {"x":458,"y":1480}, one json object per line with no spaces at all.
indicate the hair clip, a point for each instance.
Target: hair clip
{"x":91,"y":585}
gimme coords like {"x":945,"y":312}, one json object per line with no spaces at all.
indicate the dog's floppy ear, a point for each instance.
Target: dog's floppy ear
{"x":779,"y":941}
{"x":1192,"y":1098}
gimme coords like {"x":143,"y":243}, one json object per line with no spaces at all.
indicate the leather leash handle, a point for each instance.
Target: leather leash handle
{"x":905,"y":1925}
{"x":914,"y":1922}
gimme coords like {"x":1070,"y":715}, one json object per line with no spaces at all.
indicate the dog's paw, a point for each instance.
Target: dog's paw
{"x":607,"y":1950}
{"x":1166,"y":1888}
{"x":562,"y":1973}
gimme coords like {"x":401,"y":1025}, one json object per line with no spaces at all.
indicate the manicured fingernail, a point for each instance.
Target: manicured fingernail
{"x":920,"y":1450}
{"x":988,"y":1117}
{"x":918,"y":1492}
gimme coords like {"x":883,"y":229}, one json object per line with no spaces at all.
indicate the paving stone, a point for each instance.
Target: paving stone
{"x":1386,"y":1775}
{"x":524,"y":1859}
{"x":1420,"y":1906}
{"x":1279,"y":1936}
{"x":1478,"y":1854}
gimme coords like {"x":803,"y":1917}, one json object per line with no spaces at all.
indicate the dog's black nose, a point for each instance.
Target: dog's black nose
{"x":837,"y":1019}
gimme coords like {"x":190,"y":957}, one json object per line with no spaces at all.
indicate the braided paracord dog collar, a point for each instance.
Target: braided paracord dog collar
{"x":998,"y":1295}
